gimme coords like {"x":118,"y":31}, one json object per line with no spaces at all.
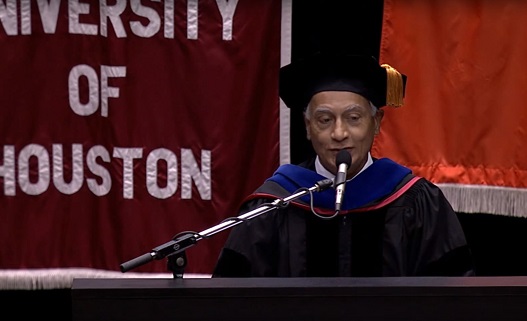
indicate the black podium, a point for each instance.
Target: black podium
{"x":294,"y":299}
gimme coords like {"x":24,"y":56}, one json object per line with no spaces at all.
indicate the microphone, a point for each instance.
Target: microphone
{"x":343,"y":162}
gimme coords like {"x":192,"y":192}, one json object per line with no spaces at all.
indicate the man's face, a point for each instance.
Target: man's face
{"x":339,"y":120}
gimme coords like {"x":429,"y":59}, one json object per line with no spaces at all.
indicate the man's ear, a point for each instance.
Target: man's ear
{"x":307,"y":123}
{"x":378,"y":117}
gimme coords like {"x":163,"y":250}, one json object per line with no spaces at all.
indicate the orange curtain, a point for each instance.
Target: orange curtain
{"x":464,"y":122}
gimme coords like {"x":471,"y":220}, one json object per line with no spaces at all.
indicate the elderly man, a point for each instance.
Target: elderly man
{"x":389,"y":223}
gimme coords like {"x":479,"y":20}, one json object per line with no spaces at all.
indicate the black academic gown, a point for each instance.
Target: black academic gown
{"x":392,"y":225}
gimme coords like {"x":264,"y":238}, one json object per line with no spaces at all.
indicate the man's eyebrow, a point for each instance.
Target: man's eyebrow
{"x":322,"y":109}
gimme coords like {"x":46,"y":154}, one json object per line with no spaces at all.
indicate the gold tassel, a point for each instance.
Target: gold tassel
{"x":394,"y":86}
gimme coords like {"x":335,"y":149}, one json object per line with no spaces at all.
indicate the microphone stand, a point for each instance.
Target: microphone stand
{"x":175,"y":249}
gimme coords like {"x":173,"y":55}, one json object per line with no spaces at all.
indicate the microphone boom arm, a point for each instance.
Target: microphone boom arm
{"x":181,"y":243}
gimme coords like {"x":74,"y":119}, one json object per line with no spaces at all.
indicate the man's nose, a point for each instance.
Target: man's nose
{"x":340,"y":131}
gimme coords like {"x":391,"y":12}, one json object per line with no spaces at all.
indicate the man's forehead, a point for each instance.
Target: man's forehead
{"x":342,"y":98}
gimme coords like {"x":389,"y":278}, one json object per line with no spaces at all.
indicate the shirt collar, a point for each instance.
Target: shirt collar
{"x":320,"y":169}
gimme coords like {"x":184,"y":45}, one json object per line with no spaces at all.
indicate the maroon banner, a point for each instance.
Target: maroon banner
{"x":124,"y":123}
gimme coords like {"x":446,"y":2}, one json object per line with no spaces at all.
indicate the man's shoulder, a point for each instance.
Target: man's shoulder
{"x":308,"y":163}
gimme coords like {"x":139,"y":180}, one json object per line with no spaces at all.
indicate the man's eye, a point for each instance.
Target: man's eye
{"x":353,"y":118}
{"x":324,"y":120}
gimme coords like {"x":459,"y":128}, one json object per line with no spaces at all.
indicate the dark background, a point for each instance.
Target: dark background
{"x":497,"y":241}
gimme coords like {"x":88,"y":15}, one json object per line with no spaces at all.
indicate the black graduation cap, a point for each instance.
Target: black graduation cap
{"x":383,"y":85}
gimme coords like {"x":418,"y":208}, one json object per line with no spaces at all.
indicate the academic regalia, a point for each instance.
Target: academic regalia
{"x":392,"y":223}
